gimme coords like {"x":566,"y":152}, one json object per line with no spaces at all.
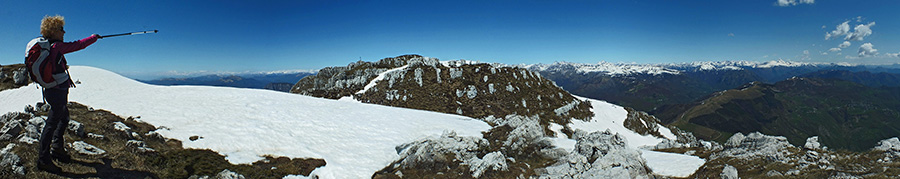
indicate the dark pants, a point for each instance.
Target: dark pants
{"x":56,"y":124}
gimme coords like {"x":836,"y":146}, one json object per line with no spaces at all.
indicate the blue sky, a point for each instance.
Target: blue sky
{"x":283,"y":35}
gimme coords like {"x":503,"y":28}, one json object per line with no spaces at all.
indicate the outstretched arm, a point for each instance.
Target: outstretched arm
{"x":68,"y":47}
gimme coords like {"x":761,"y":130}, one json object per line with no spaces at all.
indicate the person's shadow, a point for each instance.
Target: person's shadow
{"x":105,"y":170}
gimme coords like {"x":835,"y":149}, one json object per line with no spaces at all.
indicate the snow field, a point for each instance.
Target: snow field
{"x":672,"y":164}
{"x":355,"y":139}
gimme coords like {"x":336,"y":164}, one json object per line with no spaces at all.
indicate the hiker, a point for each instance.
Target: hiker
{"x":51,"y":141}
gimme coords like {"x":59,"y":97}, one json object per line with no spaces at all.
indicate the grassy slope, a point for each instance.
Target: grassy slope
{"x":844,"y":114}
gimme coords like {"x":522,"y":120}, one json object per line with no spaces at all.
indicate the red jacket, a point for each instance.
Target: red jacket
{"x":59,"y":49}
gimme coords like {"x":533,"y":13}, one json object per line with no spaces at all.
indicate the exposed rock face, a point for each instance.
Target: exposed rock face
{"x":756,"y":155}
{"x":891,"y":149}
{"x":516,"y":147}
{"x":336,"y":82}
{"x":33,"y":129}
{"x":756,"y":145}
{"x":526,"y":135}
{"x":812,"y":143}
{"x":642,"y":123}
{"x":600,"y":155}
{"x":476,"y":90}
{"x":436,"y":152}
{"x":494,"y":161}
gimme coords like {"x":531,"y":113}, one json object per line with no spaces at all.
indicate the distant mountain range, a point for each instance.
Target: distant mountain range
{"x":273,"y":81}
{"x":848,"y":106}
{"x":654,"y":87}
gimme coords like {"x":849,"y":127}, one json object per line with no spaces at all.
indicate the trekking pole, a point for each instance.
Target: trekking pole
{"x":130,"y":33}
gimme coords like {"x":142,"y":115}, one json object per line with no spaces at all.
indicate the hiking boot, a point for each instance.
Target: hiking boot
{"x":48,"y":166}
{"x":60,"y":155}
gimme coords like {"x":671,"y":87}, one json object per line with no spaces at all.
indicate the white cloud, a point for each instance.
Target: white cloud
{"x":845,"y":44}
{"x":731,"y":34}
{"x":834,"y":50}
{"x":824,"y":53}
{"x":840,"y":30}
{"x":893,"y":55}
{"x":867,"y":50}
{"x":785,"y":3}
{"x":860,"y":32}
{"x":823,"y":27}
{"x":806,"y":52}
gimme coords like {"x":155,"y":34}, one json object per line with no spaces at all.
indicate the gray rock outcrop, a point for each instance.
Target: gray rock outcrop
{"x":756,"y":145}
{"x":86,"y":149}
{"x":20,"y":77}
{"x":600,"y":155}
{"x":729,"y":172}
{"x":812,"y":143}
{"x":11,"y":160}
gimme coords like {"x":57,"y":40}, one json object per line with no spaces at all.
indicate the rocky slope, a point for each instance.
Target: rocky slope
{"x":520,"y":104}
{"x":13,"y":76}
{"x":475,"y":90}
{"x":105,"y":145}
{"x":756,"y":155}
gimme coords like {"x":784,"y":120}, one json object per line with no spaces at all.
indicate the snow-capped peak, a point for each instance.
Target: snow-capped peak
{"x":618,"y":69}
{"x":614,"y":69}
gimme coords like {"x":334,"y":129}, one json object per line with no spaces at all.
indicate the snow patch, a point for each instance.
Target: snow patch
{"x":379,"y":78}
{"x":672,"y":164}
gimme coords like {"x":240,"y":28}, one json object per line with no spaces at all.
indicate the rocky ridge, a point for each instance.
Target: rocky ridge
{"x":520,"y":104}
{"x":757,"y":155}
{"x":476,"y":90}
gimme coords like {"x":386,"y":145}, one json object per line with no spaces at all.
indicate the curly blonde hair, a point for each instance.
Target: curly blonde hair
{"x":50,"y":25}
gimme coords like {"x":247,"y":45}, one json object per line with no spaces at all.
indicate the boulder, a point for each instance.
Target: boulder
{"x":892,"y":144}
{"x":812,"y":143}
{"x":20,"y":77}
{"x":10,"y":130}
{"x":437,"y":151}
{"x":890,"y":147}
{"x":600,"y":155}
{"x":756,"y":145}
{"x":729,"y":172}
{"x":96,"y":136}
{"x":228,"y":174}
{"x":494,"y":161}
{"x":32,"y":130}
{"x":86,"y":149}
{"x":42,"y":107}
{"x":77,"y":128}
